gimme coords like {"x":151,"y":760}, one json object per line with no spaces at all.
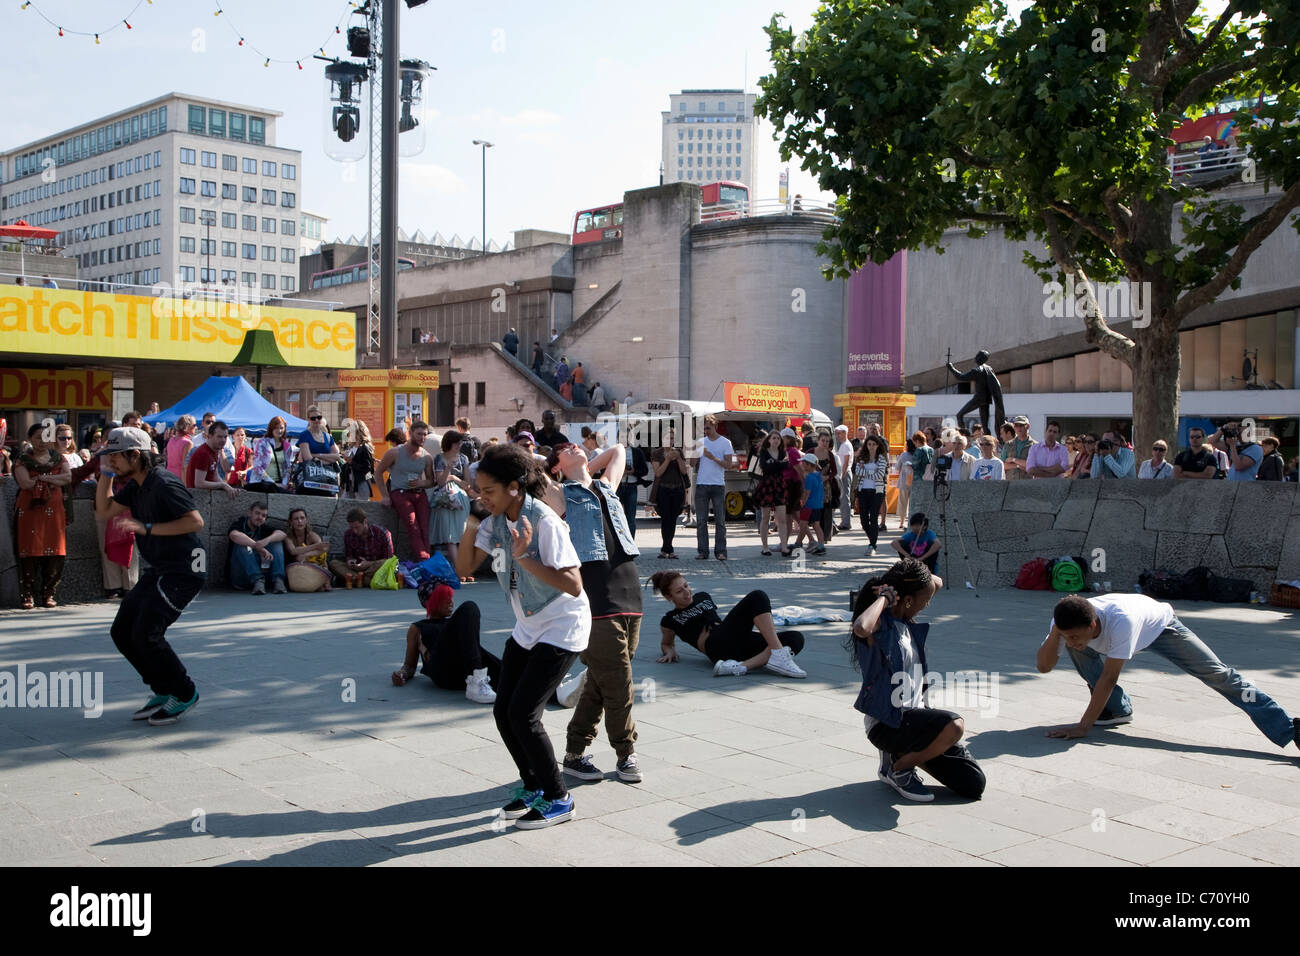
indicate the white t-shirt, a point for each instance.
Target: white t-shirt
{"x":711,"y":472}
{"x":846,"y":448}
{"x":1129,"y":623}
{"x":987,"y":469}
{"x":566,"y":621}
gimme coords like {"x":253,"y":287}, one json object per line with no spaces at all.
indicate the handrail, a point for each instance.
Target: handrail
{"x":184,"y":292}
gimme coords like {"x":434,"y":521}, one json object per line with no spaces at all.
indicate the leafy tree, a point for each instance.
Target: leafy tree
{"x":925,"y":114}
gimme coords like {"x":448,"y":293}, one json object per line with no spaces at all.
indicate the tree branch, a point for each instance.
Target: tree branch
{"x":1264,"y":225}
{"x":1190,"y":53}
{"x":1212,"y":77}
{"x":1097,"y":331}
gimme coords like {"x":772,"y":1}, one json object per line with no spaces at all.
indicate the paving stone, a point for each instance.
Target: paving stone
{"x":1134,"y":844}
{"x":1185,"y":823}
{"x":1052,"y":853}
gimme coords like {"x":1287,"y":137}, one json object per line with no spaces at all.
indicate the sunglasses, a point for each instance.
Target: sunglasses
{"x":316,"y":418}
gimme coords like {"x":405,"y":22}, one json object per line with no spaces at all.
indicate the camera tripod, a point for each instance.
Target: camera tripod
{"x":942,"y":491}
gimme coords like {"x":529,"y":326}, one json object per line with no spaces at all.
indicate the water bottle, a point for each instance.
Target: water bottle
{"x":266,"y":561}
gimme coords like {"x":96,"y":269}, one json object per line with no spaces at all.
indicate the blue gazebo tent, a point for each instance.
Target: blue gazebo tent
{"x":234,"y":402}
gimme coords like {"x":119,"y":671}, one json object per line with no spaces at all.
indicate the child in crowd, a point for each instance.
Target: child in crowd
{"x":919,"y":542}
{"x":811,"y":505}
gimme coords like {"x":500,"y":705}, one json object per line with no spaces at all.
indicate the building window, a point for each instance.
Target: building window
{"x":187,"y":157}
{"x":229,"y":163}
{"x":703,"y":108}
{"x":229,"y":191}
{"x":681,"y":107}
{"x":250,"y":223}
{"x":268,"y":167}
{"x":186,"y":273}
{"x":230,"y":249}
{"x":209,"y":188}
{"x":268,"y":197}
{"x":228,"y":276}
{"x":287,"y":254}
{"x":268,"y":225}
{"x":217,"y":123}
{"x":229,"y":220}
{"x":237,"y":129}
{"x":463,"y":397}
{"x":249,"y":251}
{"x":268,"y":281}
{"x":722,"y":107}
{"x":187,"y":214}
{"x":198,"y":120}
{"x":288,"y":200}
{"x":187,"y":243}
{"x":480,"y":393}
{"x":287,"y":227}
{"x":268,"y":253}
{"x":207,"y":275}
{"x":250,"y":194}
{"x":250,"y":166}
{"x":257,"y":131}
{"x":247,"y":278}
{"x":209,"y":159}
{"x":680,"y":134}
{"x":679,"y":162}
{"x":207,"y":247}
{"x":740,"y":106}
{"x":187,"y":187}
{"x":288,"y":171}
{"x":286,"y":283}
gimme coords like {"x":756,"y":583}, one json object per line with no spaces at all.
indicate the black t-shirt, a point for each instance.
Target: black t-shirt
{"x":549,"y":436}
{"x":1188,"y":460}
{"x":613,"y":585}
{"x":688,"y":622}
{"x":162,"y":498}
{"x":241,"y":525}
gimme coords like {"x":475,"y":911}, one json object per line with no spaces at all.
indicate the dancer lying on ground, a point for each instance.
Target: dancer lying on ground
{"x":732,"y":644}
{"x":889,"y":647}
{"x":448,"y":646}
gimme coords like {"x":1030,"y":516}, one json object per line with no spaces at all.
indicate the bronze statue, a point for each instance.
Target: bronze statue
{"x":985,"y":387}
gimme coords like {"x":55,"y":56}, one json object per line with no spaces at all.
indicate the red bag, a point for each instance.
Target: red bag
{"x":1033,"y":576}
{"x":118,"y":543}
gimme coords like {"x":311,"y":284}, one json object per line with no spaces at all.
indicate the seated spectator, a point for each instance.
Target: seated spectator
{"x":1272,"y":467}
{"x":1156,"y":466}
{"x":243,"y":457}
{"x":256,"y":553}
{"x":988,"y":467}
{"x":919,"y":541}
{"x":365,"y":548}
{"x":204,"y":469}
{"x":1113,"y":459}
{"x":306,"y":556}
{"x":1197,"y":460}
{"x":316,"y":443}
{"x":447,"y":644}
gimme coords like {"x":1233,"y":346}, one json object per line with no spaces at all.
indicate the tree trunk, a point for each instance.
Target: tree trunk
{"x":1157,"y":361}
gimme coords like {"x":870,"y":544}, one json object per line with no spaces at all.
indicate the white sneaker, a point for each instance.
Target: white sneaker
{"x":477,"y":688}
{"x":730,"y":669}
{"x":570,"y":692}
{"x":782,"y":662}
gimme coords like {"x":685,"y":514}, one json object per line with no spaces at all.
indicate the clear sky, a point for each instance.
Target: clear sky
{"x":570,"y":93}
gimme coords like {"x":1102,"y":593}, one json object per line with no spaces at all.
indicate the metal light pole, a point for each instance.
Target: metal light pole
{"x":389,"y":77}
{"x":486,"y":146}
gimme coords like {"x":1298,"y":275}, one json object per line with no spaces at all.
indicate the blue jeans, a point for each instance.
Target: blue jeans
{"x":246,"y":566}
{"x":1181,"y":647}
{"x":706,"y":495}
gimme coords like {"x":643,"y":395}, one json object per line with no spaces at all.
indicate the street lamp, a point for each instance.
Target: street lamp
{"x":486,"y":146}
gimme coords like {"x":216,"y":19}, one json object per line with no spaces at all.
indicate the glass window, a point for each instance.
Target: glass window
{"x":237,"y":127}
{"x":187,"y":186}
{"x":153,"y":122}
{"x":187,"y":243}
{"x":187,"y":273}
{"x":679,"y":134}
{"x":162,"y":119}
{"x":207,"y":247}
{"x":187,"y":156}
{"x":740,"y":106}
{"x":187,"y":214}
{"x":217,"y":122}
{"x":229,"y":191}
{"x":681,"y":107}
{"x":703,"y":108}
{"x":268,"y":167}
{"x":250,"y":166}
{"x":247,"y":278}
{"x":722,"y":107}
{"x":229,"y":248}
{"x":287,"y":227}
{"x":268,"y":225}
{"x":288,"y":171}
{"x":287,"y":254}
{"x":209,"y":159}
{"x":286,"y":283}
{"x":249,"y":250}
{"x":198,"y":119}
{"x":209,"y":188}
{"x":268,"y":197}
{"x":288,"y":200}
{"x":268,"y":281}
{"x":227,"y":276}
{"x":250,"y":224}
{"x":229,"y":163}
{"x":256,"y":129}
{"x":229,"y":220}
{"x":268,"y":253}
{"x":250,"y":194}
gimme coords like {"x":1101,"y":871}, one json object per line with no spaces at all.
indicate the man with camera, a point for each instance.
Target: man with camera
{"x":1243,"y":456}
{"x":1113,"y":458}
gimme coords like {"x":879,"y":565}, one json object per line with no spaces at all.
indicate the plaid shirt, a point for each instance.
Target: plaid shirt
{"x":377,"y":545}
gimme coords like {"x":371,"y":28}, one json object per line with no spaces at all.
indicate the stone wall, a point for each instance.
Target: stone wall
{"x":82,"y":579}
{"x":1237,"y":529}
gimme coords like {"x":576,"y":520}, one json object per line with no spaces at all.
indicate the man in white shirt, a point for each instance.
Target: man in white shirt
{"x":1102,"y":634}
{"x":844,"y":452}
{"x":716,"y":456}
{"x":962,"y":460}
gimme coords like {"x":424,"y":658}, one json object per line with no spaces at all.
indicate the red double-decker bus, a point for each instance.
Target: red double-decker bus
{"x":724,"y":200}
{"x":595,"y":225}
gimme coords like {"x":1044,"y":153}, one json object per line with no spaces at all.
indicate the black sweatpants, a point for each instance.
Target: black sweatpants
{"x":454,"y":651}
{"x":869,"y":500}
{"x":736,"y":640}
{"x":955,"y":768}
{"x":669,"y":502}
{"x":151,"y":607}
{"x":528,"y":678}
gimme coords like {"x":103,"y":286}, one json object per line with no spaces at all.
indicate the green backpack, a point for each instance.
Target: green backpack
{"x":1067,"y":575}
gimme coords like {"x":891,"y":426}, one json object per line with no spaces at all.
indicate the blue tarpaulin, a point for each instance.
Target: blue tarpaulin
{"x":234,"y":402}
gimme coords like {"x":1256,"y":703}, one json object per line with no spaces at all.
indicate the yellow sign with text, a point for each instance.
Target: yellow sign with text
{"x":770,"y":399}
{"x":104,"y":325}
{"x":388,"y":378}
{"x":875,"y":400}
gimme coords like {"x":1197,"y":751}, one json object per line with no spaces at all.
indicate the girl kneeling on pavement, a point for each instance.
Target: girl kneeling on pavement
{"x":731,"y":643}
{"x":889,"y":648}
{"x":538,"y":569}
{"x":599,"y":531}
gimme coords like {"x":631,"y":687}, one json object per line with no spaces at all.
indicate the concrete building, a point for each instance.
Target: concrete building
{"x":710,"y":136}
{"x":180,"y":190}
{"x":311,"y":231}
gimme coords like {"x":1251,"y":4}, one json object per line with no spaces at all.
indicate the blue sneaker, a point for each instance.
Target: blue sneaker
{"x":909,"y":785}
{"x":886,"y":768}
{"x":547,"y":813}
{"x":517,"y":807}
{"x":171,"y":711}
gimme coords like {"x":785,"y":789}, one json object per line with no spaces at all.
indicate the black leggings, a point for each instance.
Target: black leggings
{"x":528,"y":678}
{"x":454,"y":652}
{"x":955,"y":768}
{"x":138,"y":631}
{"x":735,"y":638}
{"x":869,"y":512}
{"x":668,"y":502}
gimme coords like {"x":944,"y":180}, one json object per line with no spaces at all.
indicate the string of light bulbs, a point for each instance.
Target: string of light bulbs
{"x":125,"y":21}
{"x":266,"y":58}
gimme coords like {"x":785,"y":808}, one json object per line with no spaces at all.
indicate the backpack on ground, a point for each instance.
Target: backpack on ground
{"x":1067,"y":575}
{"x":1033,"y":575}
{"x":1161,"y":583}
{"x":1230,"y":590}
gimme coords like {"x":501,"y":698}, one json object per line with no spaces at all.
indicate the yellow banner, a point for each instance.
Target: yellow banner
{"x":104,"y":325}
{"x":875,"y":400}
{"x":363,"y":378}
{"x":46,"y":388}
{"x":771,"y":399}
{"x":388,"y":378}
{"x":412,"y":378}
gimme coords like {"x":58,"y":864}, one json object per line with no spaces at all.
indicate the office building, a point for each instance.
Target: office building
{"x":710,"y":136}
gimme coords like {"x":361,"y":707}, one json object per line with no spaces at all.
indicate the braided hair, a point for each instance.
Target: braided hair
{"x":507,"y":463}
{"x":908,"y":576}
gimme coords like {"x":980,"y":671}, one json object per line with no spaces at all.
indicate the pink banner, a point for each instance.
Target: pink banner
{"x":877,"y":306}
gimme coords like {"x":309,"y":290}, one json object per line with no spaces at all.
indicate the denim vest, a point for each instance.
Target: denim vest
{"x":582,"y":511}
{"x":881,"y":662}
{"x":533,"y":594}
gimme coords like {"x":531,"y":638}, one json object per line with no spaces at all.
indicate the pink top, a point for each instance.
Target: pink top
{"x":795,"y":455}
{"x":177,"y":446}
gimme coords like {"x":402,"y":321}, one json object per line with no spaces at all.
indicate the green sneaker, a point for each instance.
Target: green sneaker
{"x":154,"y":705}
{"x":171,"y":711}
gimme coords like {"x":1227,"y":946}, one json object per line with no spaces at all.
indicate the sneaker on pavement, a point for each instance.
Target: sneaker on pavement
{"x":150,"y":708}
{"x":628,"y":769}
{"x":278,"y":587}
{"x":782,"y":662}
{"x":886,"y":768}
{"x":582,"y":768}
{"x":570,"y":691}
{"x":522,"y":799}
{"x":1109,"y":719}
{"x":546,"y":813}
{"x":478,"y":689}
{"x":259,"y":586}
{"x":730,"y":669}
{"x":909,"y":785}
{"x":171,"y":711}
